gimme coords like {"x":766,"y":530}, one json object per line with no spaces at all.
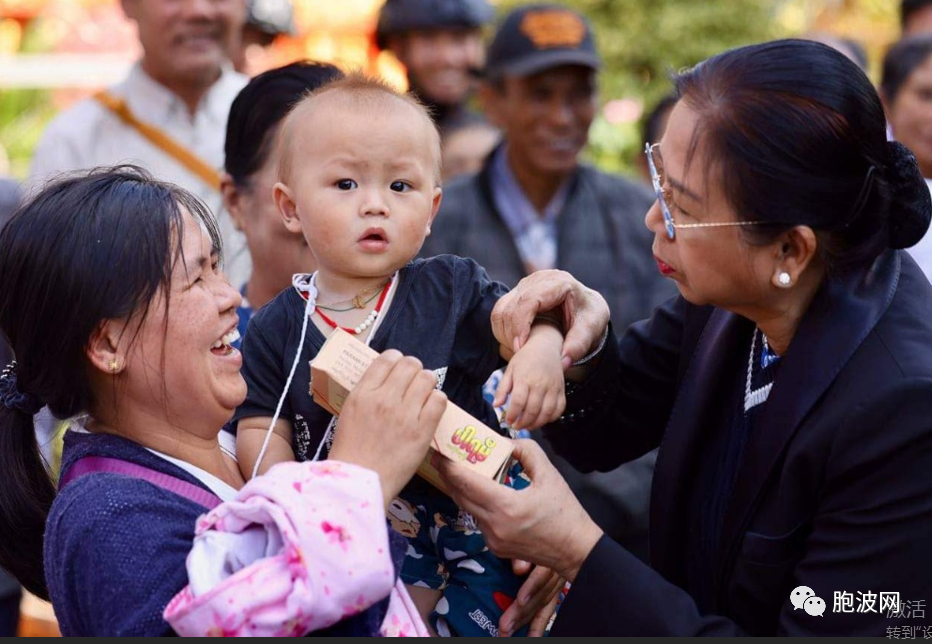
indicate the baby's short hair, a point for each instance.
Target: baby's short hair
{"x":366,"y":90}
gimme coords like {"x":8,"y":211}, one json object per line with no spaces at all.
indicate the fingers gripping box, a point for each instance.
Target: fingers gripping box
{"x":341,"y":363}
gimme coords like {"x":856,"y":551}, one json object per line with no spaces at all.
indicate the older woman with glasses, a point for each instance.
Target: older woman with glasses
{"x":789,"y":387}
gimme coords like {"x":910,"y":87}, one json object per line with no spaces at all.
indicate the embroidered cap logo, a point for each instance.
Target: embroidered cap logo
{"x":553,"y":28}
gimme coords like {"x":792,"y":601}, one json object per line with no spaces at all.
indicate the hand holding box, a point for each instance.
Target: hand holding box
{"x":341,"y":363}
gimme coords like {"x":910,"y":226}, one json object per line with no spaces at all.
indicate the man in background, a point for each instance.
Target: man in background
{"x":169,"y":114}
{"x":440,"y":44}
{"x":266,"y":20}
{"x":535,"y":206}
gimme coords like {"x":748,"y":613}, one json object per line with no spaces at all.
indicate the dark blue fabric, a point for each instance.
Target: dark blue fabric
{"x":9,"y":614}
{"x":244,"y":312}
{"x":440,"y":314}
{"x":115,"y":547}
{"x":833,"y":490}
{"x":721,"y":454}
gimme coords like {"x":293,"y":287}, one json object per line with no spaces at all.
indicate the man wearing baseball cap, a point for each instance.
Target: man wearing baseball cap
{"x":440,"y":44}
{"x":535,"y":206}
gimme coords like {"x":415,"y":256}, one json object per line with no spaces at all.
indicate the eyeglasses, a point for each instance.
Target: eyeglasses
{"x":655,"y":163}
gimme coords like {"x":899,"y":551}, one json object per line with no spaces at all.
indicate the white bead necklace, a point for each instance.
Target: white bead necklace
{"x":754,"y":398}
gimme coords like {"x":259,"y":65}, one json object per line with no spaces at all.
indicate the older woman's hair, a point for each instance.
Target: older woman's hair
{"x":84,"y":250}
{"x":259,"y":108}
{"x":796,"y":134}
{"x":902,"y":59}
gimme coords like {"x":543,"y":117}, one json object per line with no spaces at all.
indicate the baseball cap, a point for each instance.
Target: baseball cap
{"x":536,"y":37}
{"x":399,"y":16}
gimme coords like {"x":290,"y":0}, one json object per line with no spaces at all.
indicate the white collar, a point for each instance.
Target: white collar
{"x":154,"y":103}
{"x":223,"y":490}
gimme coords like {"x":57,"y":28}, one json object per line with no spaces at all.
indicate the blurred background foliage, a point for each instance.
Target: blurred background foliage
{"x":642,"y":42}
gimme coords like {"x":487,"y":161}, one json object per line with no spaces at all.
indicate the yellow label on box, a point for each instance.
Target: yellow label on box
{"x":340,"y":365}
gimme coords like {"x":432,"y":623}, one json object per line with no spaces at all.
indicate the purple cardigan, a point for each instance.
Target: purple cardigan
{"x":115,"y":547}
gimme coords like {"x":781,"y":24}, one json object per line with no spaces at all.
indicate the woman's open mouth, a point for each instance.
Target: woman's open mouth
{"x":224,"y":346}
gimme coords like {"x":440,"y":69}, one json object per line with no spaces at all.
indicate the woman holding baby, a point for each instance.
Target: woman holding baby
{"x":120,"y":318}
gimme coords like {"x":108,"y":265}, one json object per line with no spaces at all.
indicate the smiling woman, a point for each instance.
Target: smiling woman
{"x":122,"y":320}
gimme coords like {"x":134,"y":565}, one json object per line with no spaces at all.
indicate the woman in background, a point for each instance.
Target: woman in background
{"x":906,"y":91}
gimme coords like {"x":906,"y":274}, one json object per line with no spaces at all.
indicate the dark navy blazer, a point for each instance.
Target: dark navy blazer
{"x":834,"y":490}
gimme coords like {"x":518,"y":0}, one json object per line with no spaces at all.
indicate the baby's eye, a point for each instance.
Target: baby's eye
{"x":400,"y":186}
{"x":346,"y":184}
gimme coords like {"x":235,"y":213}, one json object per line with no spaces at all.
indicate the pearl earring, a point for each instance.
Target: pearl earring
{"x":784,"y":279}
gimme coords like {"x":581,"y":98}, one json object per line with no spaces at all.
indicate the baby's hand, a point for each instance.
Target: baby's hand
{"x":534,"y":378}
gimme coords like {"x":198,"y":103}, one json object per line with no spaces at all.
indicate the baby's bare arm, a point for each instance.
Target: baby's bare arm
{"x":250,"y":435}
{"x":534,"y":378}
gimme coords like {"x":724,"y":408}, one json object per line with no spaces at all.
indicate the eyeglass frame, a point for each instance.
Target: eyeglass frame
{"x":668,"y":222}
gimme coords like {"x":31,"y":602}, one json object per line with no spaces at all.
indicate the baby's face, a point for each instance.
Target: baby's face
{"x":363,"y":180}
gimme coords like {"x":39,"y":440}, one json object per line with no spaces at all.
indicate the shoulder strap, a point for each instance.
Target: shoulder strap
{"x":161,"y":140}
{"x":94,"y":464}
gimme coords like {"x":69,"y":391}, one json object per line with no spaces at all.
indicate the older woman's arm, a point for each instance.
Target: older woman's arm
{"x":870,"y":535}
{"x":620,"y":411}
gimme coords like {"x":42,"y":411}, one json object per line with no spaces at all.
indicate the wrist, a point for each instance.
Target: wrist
{"x":583,"y":544}
{"x":594,"y":351}
{"x":550,"y":318}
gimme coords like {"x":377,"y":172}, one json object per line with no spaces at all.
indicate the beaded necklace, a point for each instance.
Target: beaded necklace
{"x":365,"y":324}
{"x":767,"y":358}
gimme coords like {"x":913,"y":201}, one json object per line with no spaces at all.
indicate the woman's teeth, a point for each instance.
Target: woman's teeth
{"x":227,"y":340}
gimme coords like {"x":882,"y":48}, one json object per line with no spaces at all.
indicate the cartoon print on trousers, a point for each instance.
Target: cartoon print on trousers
{"x":401,"y":516}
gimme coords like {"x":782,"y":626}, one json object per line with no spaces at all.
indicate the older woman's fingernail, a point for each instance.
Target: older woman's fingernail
{"x":567,"y":362}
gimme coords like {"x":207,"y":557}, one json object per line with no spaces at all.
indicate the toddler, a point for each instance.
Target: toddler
{"x":359,"y":176}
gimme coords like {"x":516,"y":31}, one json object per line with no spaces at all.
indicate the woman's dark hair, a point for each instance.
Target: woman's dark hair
{"x":901,"y":61}
{"x":796,"y":133}
{"x":651,"y":131}
{"x":83,"y":250}
{"x":260,"y":106}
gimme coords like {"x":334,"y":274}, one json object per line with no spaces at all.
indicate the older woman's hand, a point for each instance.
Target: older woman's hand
{"x":536,"y":601}
{"x":585,"y":313}
{"x":388,"y":420}
{"x":543,"y":523}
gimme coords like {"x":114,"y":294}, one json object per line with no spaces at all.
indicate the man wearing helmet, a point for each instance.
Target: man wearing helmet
{"x":440,"y":44}
{"x":265,"y":21}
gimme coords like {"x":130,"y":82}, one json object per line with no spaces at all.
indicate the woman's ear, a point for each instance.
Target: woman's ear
{"x":231,"y":199}
{"x":795,"y":251}
{"x":287,"y":208}
{"x":104,"y":349}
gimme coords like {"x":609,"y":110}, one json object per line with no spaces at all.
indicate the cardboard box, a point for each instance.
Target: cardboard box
{"x":340,"y":365}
